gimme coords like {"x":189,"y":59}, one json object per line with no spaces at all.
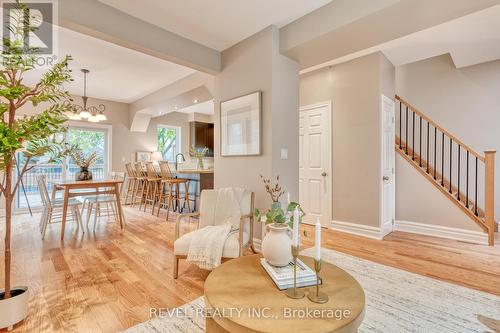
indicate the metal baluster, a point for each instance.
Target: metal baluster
{"x":475,"y":199}
{"x":406,"y":132}
{"x":435,"y":152}
{"x":413,"y":138}
{"x":400,"y":126}
{"x":420,"y":143}
{"x":427,"y":147}
{"x":442,"y":161}
{"x":458,"y":182}
{"x":451,"y":150}
{"x":467,"y":183}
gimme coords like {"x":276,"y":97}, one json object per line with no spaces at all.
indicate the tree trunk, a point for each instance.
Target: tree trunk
{"x":8,"y":218}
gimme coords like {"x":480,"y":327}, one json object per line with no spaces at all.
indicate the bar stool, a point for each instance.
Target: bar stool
{"x":152,"y":186}
{"x":141,"y":184}
{"x":167,"y":198}
{"x":131,"y":180}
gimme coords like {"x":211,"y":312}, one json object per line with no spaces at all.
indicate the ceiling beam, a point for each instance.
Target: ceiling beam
{"x":99,"y":20}
{"x":345,"y":27}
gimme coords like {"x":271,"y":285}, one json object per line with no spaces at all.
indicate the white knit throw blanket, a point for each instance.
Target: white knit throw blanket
{"x":207,"y":244}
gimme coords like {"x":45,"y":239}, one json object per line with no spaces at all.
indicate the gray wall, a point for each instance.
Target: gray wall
{"x":256,"y":65}
{"x":463,"y":101}
{"x":354,"y":88}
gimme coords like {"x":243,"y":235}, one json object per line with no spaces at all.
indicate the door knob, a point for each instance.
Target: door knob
{"x":386,"y":178}
{"x":323,"y":174}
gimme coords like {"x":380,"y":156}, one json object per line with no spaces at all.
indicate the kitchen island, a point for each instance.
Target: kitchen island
{"x":199,"y":180}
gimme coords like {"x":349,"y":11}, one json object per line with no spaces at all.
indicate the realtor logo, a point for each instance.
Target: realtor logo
{"x":33,"y":23}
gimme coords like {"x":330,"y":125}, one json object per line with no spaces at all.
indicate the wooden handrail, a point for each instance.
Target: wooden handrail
{"x":487,"y":221}
{"x":442,"y":130}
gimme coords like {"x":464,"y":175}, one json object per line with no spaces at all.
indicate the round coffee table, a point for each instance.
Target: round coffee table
{"x":241,"y":297}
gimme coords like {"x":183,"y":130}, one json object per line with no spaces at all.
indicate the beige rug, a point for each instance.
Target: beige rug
{"x":396,"y":302}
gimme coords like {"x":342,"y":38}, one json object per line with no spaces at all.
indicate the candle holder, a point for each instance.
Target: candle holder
{"x":294,"y":292}
{"x":317,"y":297}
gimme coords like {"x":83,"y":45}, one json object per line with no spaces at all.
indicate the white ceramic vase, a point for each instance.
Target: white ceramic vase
{"x":277,"y":245}
{"x":15,"y":308}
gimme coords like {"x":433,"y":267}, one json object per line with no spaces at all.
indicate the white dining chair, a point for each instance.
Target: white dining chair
{"x":53,"y":208}
{"x":102,"y":204}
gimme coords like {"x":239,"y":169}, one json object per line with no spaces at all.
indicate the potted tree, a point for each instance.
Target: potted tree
{"x":23,"y":140}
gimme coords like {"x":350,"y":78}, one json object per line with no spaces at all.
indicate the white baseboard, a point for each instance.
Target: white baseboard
{"x":358,"y":229}
{"x":464,"y":235}
{"x":386,"y":229}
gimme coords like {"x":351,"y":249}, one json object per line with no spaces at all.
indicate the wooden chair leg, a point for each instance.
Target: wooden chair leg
{"x":155,"y":192}
{"x":134,"y":192}
{"x":176,"y":267}
{"x":170,"y":201}
{"x":160,"y":200}
{"x":186,"y":196}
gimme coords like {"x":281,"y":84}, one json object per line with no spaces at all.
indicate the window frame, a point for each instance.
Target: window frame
{"x":178,"y":139}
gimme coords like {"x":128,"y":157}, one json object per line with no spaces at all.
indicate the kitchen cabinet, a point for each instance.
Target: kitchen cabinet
{"x":202,"y":135}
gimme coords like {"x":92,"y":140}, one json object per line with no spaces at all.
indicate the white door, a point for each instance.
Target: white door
{"x":388,"y":209}
{"x":315,"y":176}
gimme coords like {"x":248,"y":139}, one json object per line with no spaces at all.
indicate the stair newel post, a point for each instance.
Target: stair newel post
{"x":489,"y":193}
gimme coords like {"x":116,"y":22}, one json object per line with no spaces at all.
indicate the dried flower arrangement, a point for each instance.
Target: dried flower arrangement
{"x":275,"y":191}
{"x":79,"y":158}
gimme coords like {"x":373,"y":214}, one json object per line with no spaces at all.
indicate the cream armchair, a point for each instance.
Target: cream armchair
{"x":212,"y":212}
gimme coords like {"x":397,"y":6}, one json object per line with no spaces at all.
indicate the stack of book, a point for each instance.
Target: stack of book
{"x":283,"y":276}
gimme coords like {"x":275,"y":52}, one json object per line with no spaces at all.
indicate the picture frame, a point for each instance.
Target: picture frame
{"x":240,"y":130}
{"x":143,"y":156}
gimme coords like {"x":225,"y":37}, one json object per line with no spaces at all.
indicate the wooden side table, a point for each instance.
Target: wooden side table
{"x":243,"y":298}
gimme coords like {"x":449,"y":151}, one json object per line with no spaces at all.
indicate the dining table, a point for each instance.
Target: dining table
{"x":73,"y":188}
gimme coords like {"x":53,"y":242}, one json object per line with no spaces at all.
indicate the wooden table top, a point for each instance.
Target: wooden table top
{"x":72,"y":182}
{"x":243,"y":284}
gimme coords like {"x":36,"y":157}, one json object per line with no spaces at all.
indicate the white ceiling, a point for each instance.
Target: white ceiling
{"x":217,"y":24}
{"x":470,"y":40}
{"x":116,"y":73}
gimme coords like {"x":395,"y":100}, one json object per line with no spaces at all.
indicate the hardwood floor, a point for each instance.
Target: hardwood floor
{"x":107,"y":280}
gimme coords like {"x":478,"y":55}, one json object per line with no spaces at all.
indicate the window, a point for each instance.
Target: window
{"x":89,"y":139}
{"x":168,"y":140}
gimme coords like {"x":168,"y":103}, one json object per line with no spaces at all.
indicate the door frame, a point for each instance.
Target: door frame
{"x":329,"y":105}
{"x":386,"y":229}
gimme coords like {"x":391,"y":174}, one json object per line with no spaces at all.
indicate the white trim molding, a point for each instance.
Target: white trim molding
{"x":357,"y":229}
{"x":464,"y":235}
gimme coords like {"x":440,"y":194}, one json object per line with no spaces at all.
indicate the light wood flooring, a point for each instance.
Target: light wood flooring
{"x":107,"y":280}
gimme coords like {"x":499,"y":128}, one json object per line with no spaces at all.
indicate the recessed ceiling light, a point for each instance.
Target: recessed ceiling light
{"x":176,"y":107}
{"x":195,"y":101}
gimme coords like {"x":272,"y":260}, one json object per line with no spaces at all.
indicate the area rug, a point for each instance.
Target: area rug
{"x":396,"y":302}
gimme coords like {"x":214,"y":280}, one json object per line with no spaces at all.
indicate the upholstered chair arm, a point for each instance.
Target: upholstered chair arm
{"x":178,"y":222}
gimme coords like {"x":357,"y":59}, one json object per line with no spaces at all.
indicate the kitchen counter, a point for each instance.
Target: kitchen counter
{"x":195,"y":171}
{"x":199,"y":180}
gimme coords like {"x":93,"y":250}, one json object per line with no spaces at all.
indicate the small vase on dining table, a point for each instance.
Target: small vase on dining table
{"x":84,"y":174}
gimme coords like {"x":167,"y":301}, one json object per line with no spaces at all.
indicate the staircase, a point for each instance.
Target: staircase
{"x":463,"y":175}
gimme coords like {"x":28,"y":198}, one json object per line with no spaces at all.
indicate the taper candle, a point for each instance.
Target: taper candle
{"x":295,"y":238}
{"x":317,"y":239}
{"x":287,"y":199}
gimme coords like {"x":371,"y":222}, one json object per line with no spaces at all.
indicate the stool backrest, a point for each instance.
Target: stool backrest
{"x":130,"y":170}
{"x":151,"y":171}
{"x":165,"y":171}
{"x":139,"y":169}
